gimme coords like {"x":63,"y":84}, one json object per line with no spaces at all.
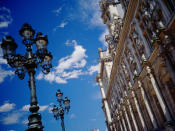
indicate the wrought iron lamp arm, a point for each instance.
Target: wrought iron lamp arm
{"x":29,"y":63}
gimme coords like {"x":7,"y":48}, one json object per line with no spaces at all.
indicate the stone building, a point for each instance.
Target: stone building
{"x":137,"y":73}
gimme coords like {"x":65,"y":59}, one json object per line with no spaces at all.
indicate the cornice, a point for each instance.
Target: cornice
{"x":132,"y":7}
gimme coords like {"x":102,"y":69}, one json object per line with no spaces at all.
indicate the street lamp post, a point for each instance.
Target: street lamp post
{"x":59,"y":112}
{"x":28,"y":63}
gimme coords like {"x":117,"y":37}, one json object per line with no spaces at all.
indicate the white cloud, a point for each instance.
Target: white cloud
{"x":75,"y":60}
{"x":72,"y":74}
{"x":90,"y":12}
{"x":40,"y":76}
{"x":11,"y":130}
{"x":50,"y":77}
{"x":68,"y":67}
{"x":4,"y":74}
{"x":102,"y":37}
{"x":50,"y":110}
{"x":5,"y":17}
{"x":93,"y":119}
{"x":72,"y":116}
{"x":6,"y":107}
{"x":63,"y":24}
{"x":25,"y":121}
{"x":94,"y":68}
{"x":97,"y":96}
{"x":58,"y":11}
{"x":68,"y":43}
{"x":12,"y":118}
{"x":25,"y":108}
{"x":51,"y":104}
{"x":60,"y":80}
{"x":3,"y":61}
{"x":42,"y":108}
{"x":50,"y":107}
{"x":96,"y":19}
{"x":4,"y":24}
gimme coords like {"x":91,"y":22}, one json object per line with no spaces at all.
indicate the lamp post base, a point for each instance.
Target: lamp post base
{"x":35,"y":123}
{"x":34,"y":129}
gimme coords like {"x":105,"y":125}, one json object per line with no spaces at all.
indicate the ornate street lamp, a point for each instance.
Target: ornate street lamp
{"x":59,"y":112}
{"x":28,"y":63}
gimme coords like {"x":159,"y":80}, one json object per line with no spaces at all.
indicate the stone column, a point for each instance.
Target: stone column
{"x":120,"y":124}
{"x":132,"y":115}
{"x":127,"y":118}
{"x":139,"y":112}
{"x":114,"y":127}
{"x":148,"y":107}
{"x":107,"y":111}
{"x":106,"y":106}
{"x":119,"y":120}
{"x":158,"y":94}
{"x":123,"y":121}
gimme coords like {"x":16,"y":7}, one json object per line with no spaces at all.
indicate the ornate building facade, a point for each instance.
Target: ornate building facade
{"x":137,"y":73}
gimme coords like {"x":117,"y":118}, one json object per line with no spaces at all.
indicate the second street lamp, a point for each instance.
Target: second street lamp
{"x":28,"y":63}
{"x":59,"y":112}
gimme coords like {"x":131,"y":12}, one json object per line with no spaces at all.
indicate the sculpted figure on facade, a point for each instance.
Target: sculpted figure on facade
{"x":145,"y":10}
{"x":157,"y":15}
{"x":138,"y":46}
{"x":168,"y":42}
{"x":130,"y":59}
{"x":111,"y":44}
{"x":118,"y":23}
{"x":153,"y":18}
{"x":125,"y":74}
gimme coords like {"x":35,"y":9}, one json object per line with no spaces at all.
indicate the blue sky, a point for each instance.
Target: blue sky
{"x":75,"y":32}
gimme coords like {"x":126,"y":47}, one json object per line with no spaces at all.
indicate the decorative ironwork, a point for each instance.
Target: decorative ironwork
{"x":59,"y":112}
{"x":28,"y":63}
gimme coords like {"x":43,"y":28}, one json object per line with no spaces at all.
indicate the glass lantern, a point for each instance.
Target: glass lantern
{"x":20,"y":71}
{"x":27,"y":32}
{"x":9,"y":47}
{"x":59,"y":96}
{"x":55,"y":111}
{"x":41,"y":43}
{"x":18,"y":63}
{"x":61,"y":111}
{"x":67,"y":103}
{"x":46,"y":63}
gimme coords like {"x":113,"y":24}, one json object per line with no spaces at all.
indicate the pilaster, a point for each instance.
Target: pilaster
{"x":139,"y":112}
{"x":148,"y":106}
{"x":158,"y":94}
{"x":132,"y":115}
{"x":127,"y":118}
